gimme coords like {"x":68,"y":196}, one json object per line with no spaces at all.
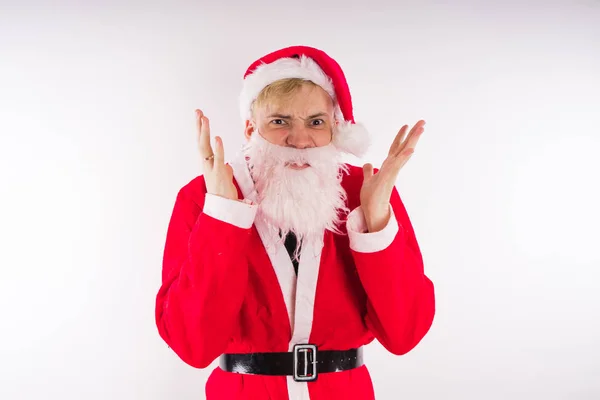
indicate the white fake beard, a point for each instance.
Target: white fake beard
{"x":307,"y":201}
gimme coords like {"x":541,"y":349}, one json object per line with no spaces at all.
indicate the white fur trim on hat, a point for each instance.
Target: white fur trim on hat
{"x":284,"y":68}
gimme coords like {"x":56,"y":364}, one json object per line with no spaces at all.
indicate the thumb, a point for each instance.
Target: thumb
{"x":229,"y":170}
{"x":367,"y":171}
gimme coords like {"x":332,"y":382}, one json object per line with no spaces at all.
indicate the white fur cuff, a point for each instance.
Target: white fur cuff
{"x":234,"y":212}
{"x":362,"y":241}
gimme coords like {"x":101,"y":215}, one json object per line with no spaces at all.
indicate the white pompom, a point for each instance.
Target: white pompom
{"x":352,"y":138}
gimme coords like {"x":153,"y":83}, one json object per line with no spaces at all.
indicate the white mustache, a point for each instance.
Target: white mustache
{"x":281,"y":155}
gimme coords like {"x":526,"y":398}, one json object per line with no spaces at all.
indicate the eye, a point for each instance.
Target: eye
{"x":316,"y":122}
{"x":278,"y":122}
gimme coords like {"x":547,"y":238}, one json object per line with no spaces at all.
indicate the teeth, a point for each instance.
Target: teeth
{"x":296,"y":163}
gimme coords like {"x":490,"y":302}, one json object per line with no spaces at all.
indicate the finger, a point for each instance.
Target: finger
{"x":398,"y":140}
{"x":418,"y":129}
{"x":367,"y":171}
{"x":199,"y":114}
{"x":419,"y":124}
{"x":199,"y":126}
{"x":402,"y":159}
{"x":411,"y":142}
{"x":412,"y":138}
{"x":408,"y":155}
{"x":219,"y":151}
{"x":204,"y":139}
{"x":204,"y":134}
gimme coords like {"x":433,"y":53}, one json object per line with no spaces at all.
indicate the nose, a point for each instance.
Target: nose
{"x":300,"y":138}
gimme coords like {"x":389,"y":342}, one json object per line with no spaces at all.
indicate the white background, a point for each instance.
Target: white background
{"x":98,"y":135}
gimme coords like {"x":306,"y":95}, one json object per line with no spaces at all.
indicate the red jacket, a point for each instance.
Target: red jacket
{"x":226,"y":288}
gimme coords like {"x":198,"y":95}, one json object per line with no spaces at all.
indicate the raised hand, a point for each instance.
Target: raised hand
{"x":377,"y":188}
{"x":217,"y":175}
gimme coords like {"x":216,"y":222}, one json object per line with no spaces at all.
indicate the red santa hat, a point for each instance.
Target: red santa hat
{"x":316,"y":66}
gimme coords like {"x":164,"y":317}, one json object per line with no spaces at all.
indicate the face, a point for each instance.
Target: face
{"x":295,"y":166}
{"x":304,"y":121}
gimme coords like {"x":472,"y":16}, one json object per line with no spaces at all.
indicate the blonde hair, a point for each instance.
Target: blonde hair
{"x":280,"y":91}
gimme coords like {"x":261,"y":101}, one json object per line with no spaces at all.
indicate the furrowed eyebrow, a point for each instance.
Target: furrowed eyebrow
{"x":282,"y":116}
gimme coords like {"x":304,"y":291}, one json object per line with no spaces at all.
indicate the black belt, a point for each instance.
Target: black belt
{"x":305,"y":363}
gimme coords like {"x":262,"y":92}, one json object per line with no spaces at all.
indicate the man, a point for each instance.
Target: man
{"x":285,"y":262}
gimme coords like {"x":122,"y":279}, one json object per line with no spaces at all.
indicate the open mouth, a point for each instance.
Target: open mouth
{"x":297,"y":165}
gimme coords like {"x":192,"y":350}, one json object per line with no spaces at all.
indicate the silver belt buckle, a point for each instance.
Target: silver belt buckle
{"x":305,"y":362}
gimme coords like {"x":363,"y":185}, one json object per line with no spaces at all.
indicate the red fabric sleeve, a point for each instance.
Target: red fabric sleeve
{"x":204,"y":278}
{"x":400,"y":298}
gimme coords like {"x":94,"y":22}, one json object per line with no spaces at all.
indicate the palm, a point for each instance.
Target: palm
{"x":218,"y":176}
{"x":377,"y":187}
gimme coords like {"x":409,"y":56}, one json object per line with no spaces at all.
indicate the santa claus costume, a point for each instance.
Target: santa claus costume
{"x":230,"y":289}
